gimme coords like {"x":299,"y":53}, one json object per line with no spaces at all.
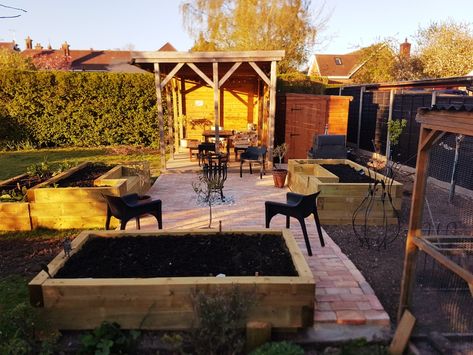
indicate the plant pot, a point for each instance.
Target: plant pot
{"x":279,"y":177}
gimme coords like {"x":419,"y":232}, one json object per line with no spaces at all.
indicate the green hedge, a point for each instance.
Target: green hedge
{"x":51,"y":108}
{"x":300,"y":83}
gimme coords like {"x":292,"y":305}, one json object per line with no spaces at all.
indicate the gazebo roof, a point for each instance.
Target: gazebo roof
{"x":204,"y":61}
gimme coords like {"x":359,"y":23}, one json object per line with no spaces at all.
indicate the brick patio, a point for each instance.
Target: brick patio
{"x":343,"y":296}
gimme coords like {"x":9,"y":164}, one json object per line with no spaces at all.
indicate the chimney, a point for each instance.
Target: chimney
{"x":49,"y":46}
{"x":65,"y":48}
{"x":29,"y":43}
{"x":38,"y":46}
{"x":405,"y":50}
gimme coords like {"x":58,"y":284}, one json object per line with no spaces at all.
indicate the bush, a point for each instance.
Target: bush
{"x":54,"y":108}
{"x":299,"y":83}
{"x":109,"y":339}
{"x":279,"y":348}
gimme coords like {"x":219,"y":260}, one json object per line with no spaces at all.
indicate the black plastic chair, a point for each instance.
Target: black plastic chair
{"x":204,"y":148}
{"x":299,"y":207}
{"x":131,"y":206}
{"x":254,"y":155}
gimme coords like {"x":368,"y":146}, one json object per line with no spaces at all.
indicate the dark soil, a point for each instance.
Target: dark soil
{"x":24,"y":256}
{"x":85,"y":177}
{"x":347,"y":174}
{"x":170,"y":256}
{"x":27,"y":181}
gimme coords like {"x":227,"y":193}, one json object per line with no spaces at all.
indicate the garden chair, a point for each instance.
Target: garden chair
{"x":328,"y":146}
{"x":254,"y":155}
{"x":299,"y":207}
{"x":131,"y":206}
{"x":205,"y":148}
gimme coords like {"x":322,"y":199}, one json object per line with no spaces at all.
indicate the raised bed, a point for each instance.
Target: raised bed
{"x":337,"y":201}
{"x":16,"y":215}
{"x":80,"y":207}
{"x":166,"y":302}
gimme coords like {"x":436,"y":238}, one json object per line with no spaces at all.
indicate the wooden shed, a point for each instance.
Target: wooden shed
{"x":233,"y":90}
{"x":300,"y":116}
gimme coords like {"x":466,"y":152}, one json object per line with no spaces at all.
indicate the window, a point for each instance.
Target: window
{"x":338,"y":61}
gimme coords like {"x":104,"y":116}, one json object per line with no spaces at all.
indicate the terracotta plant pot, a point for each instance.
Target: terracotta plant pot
{"x":279,"y":177}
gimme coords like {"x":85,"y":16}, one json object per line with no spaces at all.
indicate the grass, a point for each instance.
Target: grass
{"x":40,"y":233}
{"x":15,"y":163}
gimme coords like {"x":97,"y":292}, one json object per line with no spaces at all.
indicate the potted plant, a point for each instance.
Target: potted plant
{"x":279,"y":173}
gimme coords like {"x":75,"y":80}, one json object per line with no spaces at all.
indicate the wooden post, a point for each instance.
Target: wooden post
{"x":177,"y":136}
{"x":216,"y":106}
{"x":272,"y":111}
{"x":360,"y":115}
{"x":426,"y":139}
{"x":181,"y":86}
{"x":257,"y":333}
{"x":390,"y":117}
{"x":170,"y":113}
{"x":159,"y":102}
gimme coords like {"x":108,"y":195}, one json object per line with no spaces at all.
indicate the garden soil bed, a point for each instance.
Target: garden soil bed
{"x":170,"y":256}
{"x":85,"y":177}
{"x":347,"y":174}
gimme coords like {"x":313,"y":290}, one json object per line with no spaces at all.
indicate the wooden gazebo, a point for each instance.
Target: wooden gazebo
{"x":435,"y":123}
{"x":214,"y":77}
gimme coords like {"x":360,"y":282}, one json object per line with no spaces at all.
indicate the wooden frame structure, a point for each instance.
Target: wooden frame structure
{"x":213,"y":69}
{"x":434,"y":124}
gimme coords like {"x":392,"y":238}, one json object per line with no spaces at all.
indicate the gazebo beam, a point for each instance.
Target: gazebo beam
{"x":201,"y":74}
{"x":171,"y":74}
{"x":228,"y":74}
{"x":260,"y":73}
{"x":216,"y":105}
{"x":159,"y":103}
{"x":272,"y":110}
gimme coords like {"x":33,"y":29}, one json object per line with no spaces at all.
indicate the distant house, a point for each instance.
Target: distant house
{"x":88,"y":59}
{"x":338,"y":68}
{"x":11,"y":46}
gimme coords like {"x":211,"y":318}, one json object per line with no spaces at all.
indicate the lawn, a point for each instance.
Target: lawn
{"x":15,"y":163}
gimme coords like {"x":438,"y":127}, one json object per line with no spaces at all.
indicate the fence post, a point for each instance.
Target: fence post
{"x":434,"y":98}
{"x":360,"y":111}
{"x":390,"y":117}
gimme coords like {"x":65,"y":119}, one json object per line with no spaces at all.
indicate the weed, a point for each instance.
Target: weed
{"x":41,"y":170}
{"x":108,"y":338}
{"x":279,"y":348}
{"x":221,"y":319}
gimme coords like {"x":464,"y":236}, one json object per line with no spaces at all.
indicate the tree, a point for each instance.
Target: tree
{"x":445,"y":49}
{"x":376,"y":64}
{"x":13,"y":60}
{"x":254,"y":25}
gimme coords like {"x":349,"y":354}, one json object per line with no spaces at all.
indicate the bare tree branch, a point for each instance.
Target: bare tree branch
{"x":12,"y":8}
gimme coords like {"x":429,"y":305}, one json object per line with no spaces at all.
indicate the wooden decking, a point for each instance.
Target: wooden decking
{"x":342,"y":294}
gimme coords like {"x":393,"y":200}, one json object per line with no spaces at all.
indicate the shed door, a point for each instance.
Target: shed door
{"x":303,"y":120}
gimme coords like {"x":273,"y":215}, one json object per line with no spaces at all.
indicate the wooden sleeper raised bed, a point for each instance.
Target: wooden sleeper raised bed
{"x":80,"y":207}
{"x":166,"y":302}
{"x":337,"y":202}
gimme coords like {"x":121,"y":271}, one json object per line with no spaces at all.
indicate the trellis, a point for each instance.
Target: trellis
{"x":435,"y":123}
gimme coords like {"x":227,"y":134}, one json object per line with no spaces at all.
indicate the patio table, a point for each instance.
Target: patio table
{"x":223,"y":134}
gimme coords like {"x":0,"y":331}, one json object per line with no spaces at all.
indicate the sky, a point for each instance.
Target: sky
{"x":148,"y":24}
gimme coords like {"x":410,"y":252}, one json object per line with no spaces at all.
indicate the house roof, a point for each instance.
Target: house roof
{"x":335,"y":65}
{"x":94,"y":60}
{"x":9,"y":45}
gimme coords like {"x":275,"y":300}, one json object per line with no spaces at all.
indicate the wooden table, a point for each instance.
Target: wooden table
{"x":224,"y":134}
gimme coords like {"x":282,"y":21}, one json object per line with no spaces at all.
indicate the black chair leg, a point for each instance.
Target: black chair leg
{"x":288,"y":222}
{"x":138,"y":226}
{"x":107,"y":221}
{"x":306,"y":237}
{"x":123,"y":224}
{"x":251,"y":170}
{"x":319,"y":229}
{"x":241,"y":168}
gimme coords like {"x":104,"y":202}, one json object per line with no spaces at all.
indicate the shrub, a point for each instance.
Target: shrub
{"x":279,"y":348}
{"x":55,"y":108}
{"x":221,"y":321}
{"x":108,"y":338}
{"x":299,"y":83}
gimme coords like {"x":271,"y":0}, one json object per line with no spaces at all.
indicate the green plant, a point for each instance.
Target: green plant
{"x":108,"y":338}
{"x":278,"y":348}
{"x":41,"y":170}
{"x":280,"y":152}
{"x":221,"y":318}
{"x":14,"y":195}
{"x":395,"y":128}
{"x":63,"y":166}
